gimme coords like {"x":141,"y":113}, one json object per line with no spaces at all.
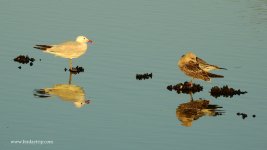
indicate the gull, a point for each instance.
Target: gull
{"x":70,"y":49}
{"x":195,"y":67}
{"x":66,"y":92}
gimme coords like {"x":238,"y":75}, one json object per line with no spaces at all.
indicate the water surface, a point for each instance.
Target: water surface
{"x":133,"y":37}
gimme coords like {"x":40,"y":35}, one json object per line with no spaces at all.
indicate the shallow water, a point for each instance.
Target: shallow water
{"x":132,"y":37}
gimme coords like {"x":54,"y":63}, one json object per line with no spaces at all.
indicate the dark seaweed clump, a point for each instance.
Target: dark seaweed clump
{"x":75,"y":70}
{"x":22,"y":59}
{"x":143,"y":76}
{"x":185,"y":87}
{"x":225,"y":91}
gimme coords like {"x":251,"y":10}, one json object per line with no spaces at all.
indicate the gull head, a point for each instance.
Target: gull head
{"x":189,"y":57}
{"x":186,"y":58}
{"x":83,"y":39}
{"x":79,"y":104}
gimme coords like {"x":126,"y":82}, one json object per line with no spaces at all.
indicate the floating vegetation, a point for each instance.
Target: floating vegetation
{"x":22,"y":59}
{"x":225,"y":91}
{"x":244,"y":115}
{"x":193,"y":110}
{"x":75,"y":70}
{"x":143,"y":76}
{"x":185,"y":87}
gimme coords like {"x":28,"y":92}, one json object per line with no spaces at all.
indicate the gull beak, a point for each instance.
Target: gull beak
{"x":90,"y":41}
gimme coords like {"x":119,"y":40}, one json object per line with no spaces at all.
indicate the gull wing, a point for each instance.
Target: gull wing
{"x":201,"y":61}
{"x":66,"y":46}
{"x":193,"y":69}
{"x":207,"y":67}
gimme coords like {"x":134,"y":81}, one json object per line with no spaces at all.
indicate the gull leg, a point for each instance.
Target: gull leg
{"x":191,"y":82}
{"x":70,"y":62}
{"x":70,"y":78}
{"x":191,"y":97}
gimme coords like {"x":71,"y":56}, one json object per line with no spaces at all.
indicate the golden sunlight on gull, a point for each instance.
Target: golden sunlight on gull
{"x":197,"y":68}
{"x":70,"y":49}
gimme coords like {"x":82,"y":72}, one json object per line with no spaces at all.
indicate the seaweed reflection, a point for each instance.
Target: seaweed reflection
{"x":66,"y":92}
{"x":195,"y":109}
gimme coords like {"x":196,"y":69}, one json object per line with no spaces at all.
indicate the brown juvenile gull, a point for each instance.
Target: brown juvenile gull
{"x":70,"y":49}
{"x":197,"y":68}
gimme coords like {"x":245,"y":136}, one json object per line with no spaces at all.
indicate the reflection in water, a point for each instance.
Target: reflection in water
{"x":193,"y":110}
{"x":66,"y":92}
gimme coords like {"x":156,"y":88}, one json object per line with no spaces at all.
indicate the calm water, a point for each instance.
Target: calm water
{"x":132,"y":37}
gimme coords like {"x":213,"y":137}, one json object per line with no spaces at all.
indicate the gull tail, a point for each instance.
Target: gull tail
{"x":42,"y":47}
{"x":215,"y":75}
{"x":213,"y":67}
{"x":222,"y":68}
{"x":41,"y":93}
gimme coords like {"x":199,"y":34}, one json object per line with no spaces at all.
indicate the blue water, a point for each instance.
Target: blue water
{"x":132,"y":37}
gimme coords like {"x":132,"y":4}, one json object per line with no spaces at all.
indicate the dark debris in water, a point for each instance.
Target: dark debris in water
{"x":244,"y":115}
{"x":24,"y":59}
{"x":225,"y":91}
{"x":185,"y":87}
{"x":144,"y":76}
{"x":75,"y":70}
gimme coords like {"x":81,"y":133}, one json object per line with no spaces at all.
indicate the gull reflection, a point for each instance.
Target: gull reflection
{"x":195,"y":109}
{"x":66,"y":92}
